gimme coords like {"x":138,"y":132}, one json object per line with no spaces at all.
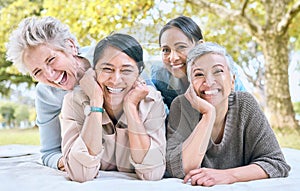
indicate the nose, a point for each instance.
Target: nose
{"x":116,"y":77}
{"x":209,"y":80}
{"x":173,"y":56}
{"x":49,"y":72}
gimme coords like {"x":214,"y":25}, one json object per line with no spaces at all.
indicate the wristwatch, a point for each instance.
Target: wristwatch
{"x":88,"y":109}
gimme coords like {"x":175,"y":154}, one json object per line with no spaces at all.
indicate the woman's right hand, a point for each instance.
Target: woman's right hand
{"x":197,"y":102}
{"x":92,"y":89}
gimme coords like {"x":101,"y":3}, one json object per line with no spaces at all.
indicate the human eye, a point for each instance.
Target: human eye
{"x":218,"y":71}
{"x":127,"y":71}
{"x":50,"y":60}
{"x":181,"y":48}
{"x":198,"y":74}
{"x":165,"y":50}
{"x":106,"y":69}
{"x":37,"y":73}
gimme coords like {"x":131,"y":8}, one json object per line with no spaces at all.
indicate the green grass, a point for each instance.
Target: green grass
{"x":287,"y":138}
{"x":19,"y":136}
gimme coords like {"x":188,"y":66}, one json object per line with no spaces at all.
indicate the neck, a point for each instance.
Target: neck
{"x":219,"y":125}
{"x":114,"y":112}
{"x":84,"y":65}
{"x":185,"y":82}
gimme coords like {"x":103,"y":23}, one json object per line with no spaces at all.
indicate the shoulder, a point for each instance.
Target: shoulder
{"x":158,"y":71}
{"x":244,"y":105}
{"x":245,"y":99}
{"x":49,"y":95}
{"x":43,"y":89}
{"x":181,"y":101}
{"x":181,"y":106}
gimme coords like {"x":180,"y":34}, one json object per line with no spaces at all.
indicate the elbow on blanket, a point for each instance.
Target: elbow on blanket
{"x":83,"y":176}
{"x":151,"y":174}
{"x":79,"y":173}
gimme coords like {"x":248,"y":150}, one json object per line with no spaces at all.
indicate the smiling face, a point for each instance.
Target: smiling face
{"x":211,"y":78}
{"x":175,"y":47}
{"x":53,"y":67}
{"x":116,"y":74}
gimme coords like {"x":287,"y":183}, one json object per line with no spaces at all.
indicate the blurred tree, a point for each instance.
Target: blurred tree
{"x":88,"y":20}
{"x":32,"y":114}
{"x":7,"y":111}
{"x":268,"y":23}
{"x":21,"y":114}
{"x":10,"y":15}
{"x":12,"y":114}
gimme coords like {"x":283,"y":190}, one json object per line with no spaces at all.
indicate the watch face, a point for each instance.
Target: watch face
{"x":87,"y":110}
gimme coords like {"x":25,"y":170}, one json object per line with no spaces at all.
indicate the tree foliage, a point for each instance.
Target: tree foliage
{"x":88,"y":20}
{"x":243,"y":27}
{"x":268,"y":23}
{"x":12,"y":114}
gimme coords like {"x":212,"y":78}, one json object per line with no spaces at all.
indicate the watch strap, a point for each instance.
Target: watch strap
{"x":97,"y":109}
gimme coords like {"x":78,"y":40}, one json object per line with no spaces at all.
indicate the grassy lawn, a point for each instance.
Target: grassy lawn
{"x":19,"y":136}
{"x":289,"y":139}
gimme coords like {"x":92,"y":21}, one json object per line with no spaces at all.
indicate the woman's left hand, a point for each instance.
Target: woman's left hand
{"x":208,"y":177}
{"x":138,"y":92}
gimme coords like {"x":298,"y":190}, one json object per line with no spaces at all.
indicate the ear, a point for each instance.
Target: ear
{"x":72,"y":47}
{"x":232,"y":82}
{"x":200,"y":41}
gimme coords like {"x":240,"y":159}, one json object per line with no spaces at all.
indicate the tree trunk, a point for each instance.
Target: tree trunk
{"x":279,"y":108}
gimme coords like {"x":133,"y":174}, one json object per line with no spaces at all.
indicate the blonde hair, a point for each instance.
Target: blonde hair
{"x":34,"y":31}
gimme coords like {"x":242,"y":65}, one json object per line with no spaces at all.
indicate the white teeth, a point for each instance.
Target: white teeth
{"x":58,"y":80}
{"x":115,"y":90}
{"x":211,"y":92}
{"x":177,"y":66}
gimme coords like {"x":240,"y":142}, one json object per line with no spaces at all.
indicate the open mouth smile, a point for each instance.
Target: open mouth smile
{"x":61,"y":79}
{"x":114,"y":90}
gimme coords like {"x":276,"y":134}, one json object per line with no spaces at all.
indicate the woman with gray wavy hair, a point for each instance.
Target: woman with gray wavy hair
{"x":45,"y":48}
{"x":210,"y":48}
{"x":216,"y":135}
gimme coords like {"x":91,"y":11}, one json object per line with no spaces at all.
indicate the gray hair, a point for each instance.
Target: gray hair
{"x":206,"y":48}
{"x":33,"y":31}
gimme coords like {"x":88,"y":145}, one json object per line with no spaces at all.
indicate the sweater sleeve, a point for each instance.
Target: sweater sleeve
{"x":261,"y":141}
{"x":48,"y":104}
{"x":178,"y":129}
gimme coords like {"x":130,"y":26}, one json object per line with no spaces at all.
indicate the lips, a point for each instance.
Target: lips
{"x":114,"y":90}
{"x":177,"y":66}
{"x":61,"y":79}
{"x":210,"y":92}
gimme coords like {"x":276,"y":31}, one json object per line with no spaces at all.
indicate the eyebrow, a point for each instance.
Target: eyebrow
{"x":181,"y":43}
{"x":214,"y":66}
{"x":111,"y":65}
{"x":33,"y":71}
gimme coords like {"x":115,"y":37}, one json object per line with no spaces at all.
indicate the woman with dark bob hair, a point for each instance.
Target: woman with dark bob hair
{"x":114,"y":121}
{"x":176,"y":39}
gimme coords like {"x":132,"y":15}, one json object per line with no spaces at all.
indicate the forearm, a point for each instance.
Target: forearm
{"x":92,"y":133}
{"x":194,"y":147}
{"x":50,"y":140}
{"x":139,"y":139}
{"x":246,"y":173}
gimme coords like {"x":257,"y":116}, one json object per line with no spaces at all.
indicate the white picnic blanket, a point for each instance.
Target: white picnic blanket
{"x":21,"y":169}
